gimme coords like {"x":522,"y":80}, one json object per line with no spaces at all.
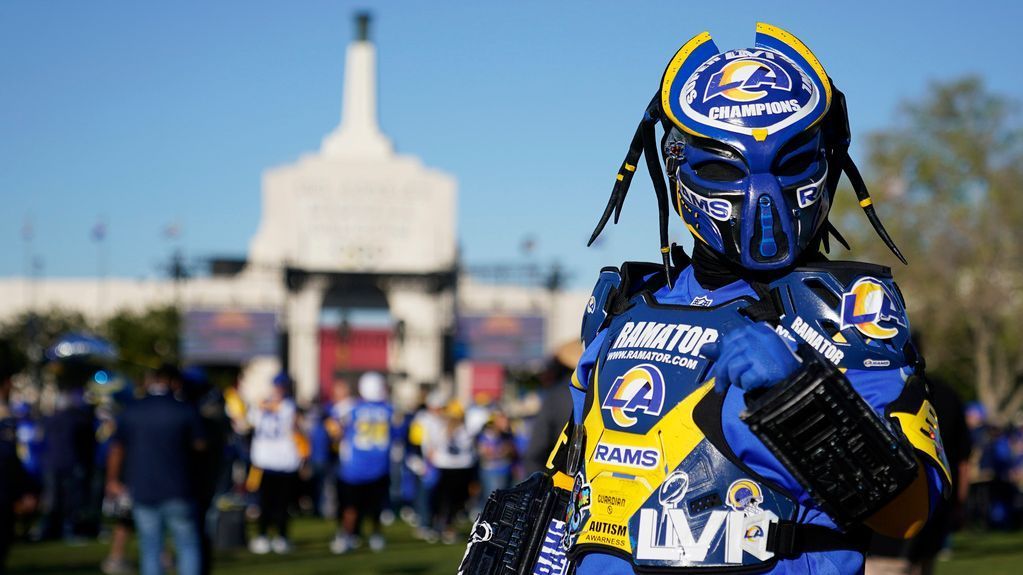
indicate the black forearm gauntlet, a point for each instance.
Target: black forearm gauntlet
{"x":831,"y":440}
{"x":519,"y":528}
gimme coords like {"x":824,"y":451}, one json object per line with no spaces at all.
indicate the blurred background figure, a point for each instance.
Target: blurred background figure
{"x":30,"y":448}
{"x":917,"y":556}
{"x":212,"y":464}
{"x":451,"y":450}
{"x":497,"y":453}
{"x":116,"y":508}
{"x":276,"y":459}
{"x":67,"y":467}
{"x":555,"y":406}
{"x":992,"y":495}
{"x":364,"y":463}
{"x":156,"y":445}
{"x":478,"y":413}
{"x":15,"y":492}
{"x":340,"y":404}
{"x":319,"y":497}
{"x":427,"y":422}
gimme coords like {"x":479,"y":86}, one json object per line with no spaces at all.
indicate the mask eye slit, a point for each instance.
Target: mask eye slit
{"x":798,"y":155}
{"x":717,"y":171}
{"x":797,"y":164}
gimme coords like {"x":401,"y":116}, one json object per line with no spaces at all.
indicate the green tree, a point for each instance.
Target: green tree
{"x":30,"y":333}
{"x":946,"y":176}
{"x":144,"y":339}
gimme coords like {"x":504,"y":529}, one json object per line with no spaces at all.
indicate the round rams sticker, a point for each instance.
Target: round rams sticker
{"x":745,"y":89}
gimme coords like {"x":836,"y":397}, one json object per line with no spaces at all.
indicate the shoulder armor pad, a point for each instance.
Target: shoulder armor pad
{"x":596,"y":307}
{"x":615,"y":287}
{"x":852,"y":313}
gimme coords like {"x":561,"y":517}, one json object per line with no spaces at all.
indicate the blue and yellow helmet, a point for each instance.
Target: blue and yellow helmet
{"x":754,"y":143}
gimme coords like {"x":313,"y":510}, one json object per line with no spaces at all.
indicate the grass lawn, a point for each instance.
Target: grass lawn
{"x":975,"y":554}
{"x":403,"y":555}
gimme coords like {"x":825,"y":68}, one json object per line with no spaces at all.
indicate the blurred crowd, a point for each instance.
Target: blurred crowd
{"x":985,"y":460}
{"x":175,"y":458}
{"x":994,"y":471}
{"x":188,"y":468}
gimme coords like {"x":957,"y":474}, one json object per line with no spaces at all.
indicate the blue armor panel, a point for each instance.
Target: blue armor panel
{"x":851,"y":313}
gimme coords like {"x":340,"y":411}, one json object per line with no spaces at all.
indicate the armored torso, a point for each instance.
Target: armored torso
{"x":658,"y":484}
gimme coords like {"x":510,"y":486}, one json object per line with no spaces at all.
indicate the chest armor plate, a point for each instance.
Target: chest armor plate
{"x":652,"y":486}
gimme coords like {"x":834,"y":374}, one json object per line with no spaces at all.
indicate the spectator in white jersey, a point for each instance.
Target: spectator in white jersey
{"x":452,"y":452}
{"x":276,"y":458}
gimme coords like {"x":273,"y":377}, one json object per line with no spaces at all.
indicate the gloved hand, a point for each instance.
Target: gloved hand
{"x":750,"y":357}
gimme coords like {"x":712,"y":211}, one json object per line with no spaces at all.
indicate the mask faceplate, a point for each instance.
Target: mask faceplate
{"x":751,"y":180}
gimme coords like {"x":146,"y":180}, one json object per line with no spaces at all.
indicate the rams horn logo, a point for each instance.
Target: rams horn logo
{"x":866,"y":305}
{"x":639,"y":389}
{"x":745,"y":495}
{"x":743,"y":80}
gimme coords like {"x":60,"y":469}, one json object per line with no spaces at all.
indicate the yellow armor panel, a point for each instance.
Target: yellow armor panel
{"x":619,"y":489}
{"x":921,"y":428}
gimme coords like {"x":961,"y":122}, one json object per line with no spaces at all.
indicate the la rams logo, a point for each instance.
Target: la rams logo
{"x":745,"y":495}
{"x":745,"y":80}
{"x":755,"y":92}
{"x":641,"y":389}
{"x":868,"y":306}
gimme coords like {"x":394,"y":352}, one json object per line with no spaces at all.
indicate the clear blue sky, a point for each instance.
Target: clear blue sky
{"x":144,"y":113}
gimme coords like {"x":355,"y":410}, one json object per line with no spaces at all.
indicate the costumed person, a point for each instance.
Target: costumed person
{"x":753,"y":407}
{"x":276,"y":459}
{"x":364,"y":463}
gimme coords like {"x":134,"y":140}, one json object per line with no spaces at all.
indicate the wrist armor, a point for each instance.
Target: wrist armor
{"x":831,"y":441}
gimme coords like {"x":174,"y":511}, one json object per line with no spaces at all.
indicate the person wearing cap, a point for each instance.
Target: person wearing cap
{"x":276,"y":459}
{"x":364,"y":463}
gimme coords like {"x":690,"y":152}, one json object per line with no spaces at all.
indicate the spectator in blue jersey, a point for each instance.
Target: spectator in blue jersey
{"x":320,"y":459}
{"x":276,"y":456}
{"x":497,"y":453}
{"x":364,"y":454}
{"x":156,"y":444}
